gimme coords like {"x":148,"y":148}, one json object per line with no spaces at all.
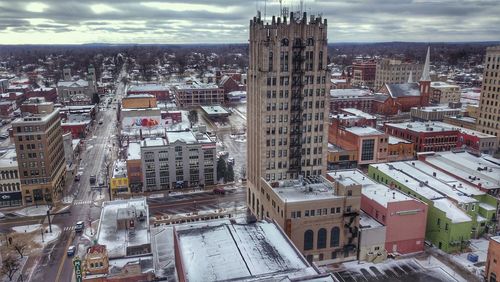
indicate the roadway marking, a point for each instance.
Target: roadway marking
{"x":69,"y":228}
{"x":81,"y":202}
{"x":59,"y":271}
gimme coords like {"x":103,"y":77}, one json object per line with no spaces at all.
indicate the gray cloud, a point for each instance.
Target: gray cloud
{"x":227,"y":21}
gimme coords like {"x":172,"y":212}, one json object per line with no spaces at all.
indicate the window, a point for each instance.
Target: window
{"x":308,"y":240}
{"x":321,"y":244}
{"x":439,"y":221}
{"x":335,"y":237}
{"x":367,"y":150}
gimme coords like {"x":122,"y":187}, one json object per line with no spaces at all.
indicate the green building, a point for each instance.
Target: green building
{"x":457,"y":211}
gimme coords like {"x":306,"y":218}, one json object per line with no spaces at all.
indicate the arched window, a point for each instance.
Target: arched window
{"x":310,"y":41}
{"x":284,"y":42}
{"x":321,"y":244}
{"x":308,"y":240}
{"x":335,"y":237}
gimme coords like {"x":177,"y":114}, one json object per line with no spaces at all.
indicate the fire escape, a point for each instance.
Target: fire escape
{"x":297,"y":88}
{"x":351,"y":229}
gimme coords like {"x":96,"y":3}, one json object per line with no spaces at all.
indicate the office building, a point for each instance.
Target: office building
{"x":40,"y":155}
{"x":395,"y":71}
{"x":489,"y":115}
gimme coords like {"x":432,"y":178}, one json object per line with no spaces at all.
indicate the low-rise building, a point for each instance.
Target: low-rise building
{"x":194,"y":94}
{"x":339,"y":158}
{"x":320,"y":217}
{"x":369,"y":143}
{"x":457,"y":211}
{"x":119,"y":184}
{"x":360,"y":99}
{"x":37,"y":105}
{"x":426,"y":136}
{"x":10,"y":184}
{"x":399,"y":149}
{"x":444,"y":93}
{"x":461,"y":121}
{"x":183,"y":159}
{"x":492,"y":271}
{"x":223,"y":250}
{"x":404,"y":217}
{"x":134,"y":167}
{"x":434,"y":113}
{"x":48,"y":93}
{"x":372,"y":239}
{"x":139,"y":101}
{"x":160,"y":92}
{"x":476,"y":140}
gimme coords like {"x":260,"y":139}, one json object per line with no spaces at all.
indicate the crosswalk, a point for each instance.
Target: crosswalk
{"x":69,"y":228}
{"x":82,"y":202}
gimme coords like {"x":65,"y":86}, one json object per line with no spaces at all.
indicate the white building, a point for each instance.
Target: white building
{"x":183,"y":159}
{"x":10,"y":185}
{"x":443,"y":93}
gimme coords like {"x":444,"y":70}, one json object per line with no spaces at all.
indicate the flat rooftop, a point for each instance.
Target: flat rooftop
{"x":395,"y":140}
{"x":147,"y":87}
{"x":188,"y":137}
{"x":215,"y":110}
{"x":359,"y":113}
{"x":307,"y":189}
{"x":476,"y":170}
{"x":152,"y":142}
{"x":371,"y":189}
{"x":196,"y":85}
{"x":120,"y":169}
{"x":118,"y":240}
{"x":8,"y":158}
{"x":437,"y":109}
{"x":419,"y":177}
{"x":222,"y":250}
{"x":364,"y":131}
{"x":134,"y":151}
{"x":367,"y":222}
{"x":417,"y":126}
{"x":349,"y":93}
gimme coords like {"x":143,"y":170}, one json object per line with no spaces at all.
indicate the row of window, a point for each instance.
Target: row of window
{"x":317,"y":212}
{"x":321,"y":240}
{"x":9,"y":174}
{"x":10,"y":187}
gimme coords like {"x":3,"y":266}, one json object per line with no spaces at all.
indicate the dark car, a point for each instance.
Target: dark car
{"x":219,"y":191}
{"x":79,"y":226}
{"x":71,"y":251}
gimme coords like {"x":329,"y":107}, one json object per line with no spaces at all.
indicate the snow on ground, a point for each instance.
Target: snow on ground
{"x":90,"y":147}
{"x":33,"y":210}
{"x":2,"y":215}
{"x":433,"y":263}
{"x":68,"y":199}
{"x":100,"y":197}
{"x":47,"y":236}
{"x":26,"y":228}
{"x":478,"y":247}
{"x":154,"y":196}
{"x":173,"y":194}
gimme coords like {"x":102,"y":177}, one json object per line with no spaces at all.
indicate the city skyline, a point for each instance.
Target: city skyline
{"x":196,"y":21}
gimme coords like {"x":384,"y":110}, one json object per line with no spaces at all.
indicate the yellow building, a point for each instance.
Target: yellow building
{"x":139,"y":101}
{"x":400,"y":150}
{"x":96,"y":261}
{"x":119,"y":180}
{"x":339,"y":158}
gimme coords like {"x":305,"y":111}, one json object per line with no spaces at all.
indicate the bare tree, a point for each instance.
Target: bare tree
{"x":9,"y":267}
{"x":193,"y":117}
{"x":20,"y":246}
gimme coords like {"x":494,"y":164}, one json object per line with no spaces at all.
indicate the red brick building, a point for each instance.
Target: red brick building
{"x":427,"y":136}
{"x":395,"y":98}
{"x":7,"y":108}
{"x":360,"y":99}
{"x":49,"y":93}
{"x":161,"y":92}
{"x":363,"y":73}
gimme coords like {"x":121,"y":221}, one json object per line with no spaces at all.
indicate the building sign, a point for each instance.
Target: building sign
{"x":141,"y":122}
{"x":77,"y":263}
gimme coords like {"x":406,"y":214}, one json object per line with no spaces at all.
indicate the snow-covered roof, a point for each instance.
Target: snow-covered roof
{"x":188,"y":137}
{"x":120,"y":169}
{"x":468,"y":167}
{"x":78,"y":83}
{"x":419,"y":177}
{"x":305,"y":190}
{"x":348,"y":93}
{"x":221,"y":250}
{"x":364,"y":131}
{"x":117,"y":240}
{"x":394,"y":140}
{"x":403,"y":89}
{"x":134,"y":151}
{"x":358,"y":113}
{"x":147,"y":87}
{"x":417,"y":126}
{"x":367,"y":222}
{"x":455,"y":214}
{"x":150,"y":142}
{"x":8,"y":159}
{"x":371,"y":189}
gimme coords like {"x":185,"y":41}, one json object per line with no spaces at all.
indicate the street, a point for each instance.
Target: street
{"x":53,"y":264}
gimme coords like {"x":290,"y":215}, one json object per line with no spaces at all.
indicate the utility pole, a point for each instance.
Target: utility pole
{"x":50,"y":225}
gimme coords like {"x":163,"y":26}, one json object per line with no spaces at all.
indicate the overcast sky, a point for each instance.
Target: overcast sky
{"x":226,"y":21}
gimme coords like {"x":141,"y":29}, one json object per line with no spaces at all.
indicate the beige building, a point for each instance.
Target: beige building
{"x":40,"y":155}
{"x":489,"y":115}
{"x":287,"y":99}
{"x":444,"y":93}
{"x":321,"y":218}
{"x":10,"y":185}
{"x":396,"y":71}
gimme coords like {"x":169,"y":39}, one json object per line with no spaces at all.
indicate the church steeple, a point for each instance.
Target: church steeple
{"x":426,"y":71}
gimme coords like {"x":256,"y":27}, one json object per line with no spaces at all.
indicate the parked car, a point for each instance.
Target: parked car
{"x":4,"y":136}
{"x":219,"y":191}
{"x":71,"y":251}
{"x":79,"y":226}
